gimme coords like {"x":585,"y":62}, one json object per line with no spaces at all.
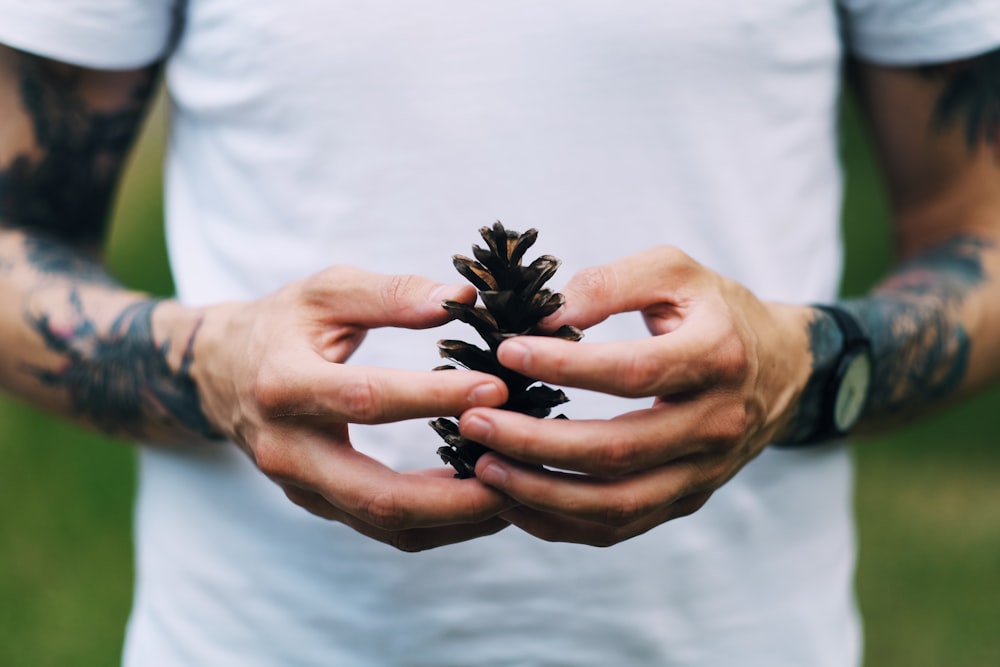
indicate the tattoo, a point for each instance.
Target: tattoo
{"x":51,"y":257}
{"x":972,"y":97}
{"x":65,"y":188}
{"x":121,"y":381}
{"x":825,"y":341}
{"x":920,"y":348}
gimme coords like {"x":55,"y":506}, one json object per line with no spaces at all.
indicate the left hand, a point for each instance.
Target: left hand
{"x":723,"y":367}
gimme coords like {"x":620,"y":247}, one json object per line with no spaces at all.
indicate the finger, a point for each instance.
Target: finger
{"x":390,"y":501}
{"x":612,"y":502}
{"x":631,"y":442}
{"x":555,"y":528}
{"x":412,"y":540}
{"x":371,"y":300}
{"x":654,"y":276}
{"x":307,"y":385}
{"x":320,"y":459}
{"x":656,"y":366}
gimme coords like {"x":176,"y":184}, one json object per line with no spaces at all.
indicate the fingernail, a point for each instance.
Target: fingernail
{"x":443,"y":293}
{"x":493,"y":475}
{"x":486,"y":394}
{"x":514,"y":353}
{"x":476,"y":428}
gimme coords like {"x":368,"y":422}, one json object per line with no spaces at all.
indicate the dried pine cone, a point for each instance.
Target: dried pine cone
{"x":514,"y":302}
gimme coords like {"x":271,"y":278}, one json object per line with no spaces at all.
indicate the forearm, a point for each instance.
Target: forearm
{"x":934,"y":323}
{"x":80,"y":345}
{"x":73,"y":341}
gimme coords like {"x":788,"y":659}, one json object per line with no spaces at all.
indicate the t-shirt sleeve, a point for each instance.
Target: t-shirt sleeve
{"x":103,"y":34}
{"x":913,"y":32}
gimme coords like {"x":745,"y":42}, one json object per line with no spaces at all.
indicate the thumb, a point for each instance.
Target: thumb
{"x":639,"y":282}
{"x":376,"y":300}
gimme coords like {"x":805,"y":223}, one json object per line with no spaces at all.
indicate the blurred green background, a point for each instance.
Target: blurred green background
{"x":928,"y":498}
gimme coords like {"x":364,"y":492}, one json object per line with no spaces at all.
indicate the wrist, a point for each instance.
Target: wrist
{"x":835,"y":394}
{"x":185,"y":336}
{"x":175,"y":328}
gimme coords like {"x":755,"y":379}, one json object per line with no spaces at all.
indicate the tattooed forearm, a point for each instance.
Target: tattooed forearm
{"x":62,"y":183}
{"x":80,"y":347}
{"x":824,"y":343}
{"x":971,"y":98}
{"x":120,"y":380}
{"x":920,"y":345}
{"x":50,"y":257}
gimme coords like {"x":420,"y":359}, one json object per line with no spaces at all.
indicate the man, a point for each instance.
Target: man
{"x":679,"y":157}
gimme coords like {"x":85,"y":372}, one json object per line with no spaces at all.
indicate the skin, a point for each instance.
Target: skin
{"x":267,"y":374}
{"x":728,"y":373}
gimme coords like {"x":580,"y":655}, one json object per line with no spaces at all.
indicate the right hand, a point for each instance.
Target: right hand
{"x":272,"y":379}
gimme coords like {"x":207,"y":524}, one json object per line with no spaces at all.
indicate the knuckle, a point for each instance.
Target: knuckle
{"x":385,"y":511}
{"x":704,"y":475}
{"x":732,"y":355}
{"x":331,"y":275}
{"x":269,"y":391}
{"x":673,"y":254}
{"x":360,"y":400}
{"x":735,"y":421}
{"x":556,"y":364}
{"x":616,"y":457}
{"x":713,"y":474}
{"x":296,"y":495}
{"x":690,"y":505}
{"x":305,"y":500}
{"x":406,"y":542}
{"x":727,"y":426}
{"x":624,"y":510}
{"x":604,"y":539}
{"x":681,"y":264}
{"x":645,"y":374}
{"x":595,"y":281}
{"x":271,"y":460}
{"x":399,"y":289}
{"x":318,"y":288}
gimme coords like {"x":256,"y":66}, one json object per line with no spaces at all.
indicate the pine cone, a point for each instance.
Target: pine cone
{"x":514,"y":302}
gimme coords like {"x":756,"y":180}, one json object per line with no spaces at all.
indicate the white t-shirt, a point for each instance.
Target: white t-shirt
{"x":315,"y":132}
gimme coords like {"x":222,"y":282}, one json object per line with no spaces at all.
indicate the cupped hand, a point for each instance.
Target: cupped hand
{"x":272,"y":378}
{"x":723,"y":368}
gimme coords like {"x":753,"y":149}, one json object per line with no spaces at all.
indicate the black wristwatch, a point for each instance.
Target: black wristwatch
{"x":844,"y":385}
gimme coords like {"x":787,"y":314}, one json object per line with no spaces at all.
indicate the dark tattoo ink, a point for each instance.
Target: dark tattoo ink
{"x":921,"y":349}
{"x":121,"y":380}
{"x":65,"y":188}
{"x":971,"y":97}
{"x":50,"y":257}
{"x":825,"y":341}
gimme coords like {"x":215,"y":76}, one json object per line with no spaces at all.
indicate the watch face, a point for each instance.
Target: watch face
{"x":852,"y":392}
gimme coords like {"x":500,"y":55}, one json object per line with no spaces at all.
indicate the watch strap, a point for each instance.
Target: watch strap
{"x":823,"y":386}
{"x":854,"y":337}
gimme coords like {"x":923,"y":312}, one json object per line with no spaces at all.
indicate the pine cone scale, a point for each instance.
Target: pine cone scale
{"x":514,"y":303}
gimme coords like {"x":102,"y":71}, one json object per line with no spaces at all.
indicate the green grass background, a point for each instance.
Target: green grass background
{"x":928,"y":498}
